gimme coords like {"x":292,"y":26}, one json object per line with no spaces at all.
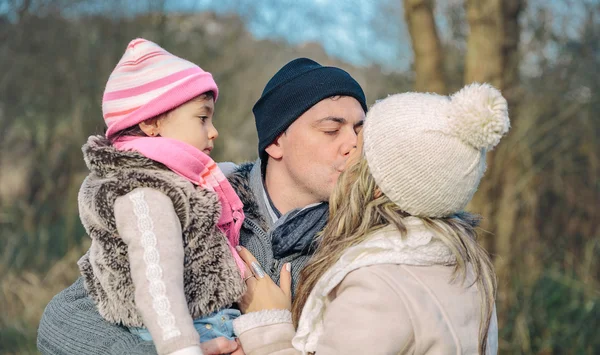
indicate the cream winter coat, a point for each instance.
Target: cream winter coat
{"x":387,"y":295}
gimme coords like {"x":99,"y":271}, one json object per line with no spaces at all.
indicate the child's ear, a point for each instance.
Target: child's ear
{"x":150,"y":127}
{"x":275,"y":149}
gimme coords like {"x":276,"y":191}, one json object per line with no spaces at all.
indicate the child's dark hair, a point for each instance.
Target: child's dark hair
{"x":136,"y":131}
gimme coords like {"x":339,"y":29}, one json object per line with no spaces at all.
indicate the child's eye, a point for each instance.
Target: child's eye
{"x":203,"y":118}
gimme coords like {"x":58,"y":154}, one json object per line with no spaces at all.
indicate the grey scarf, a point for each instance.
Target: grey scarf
{"x":295,"y":231}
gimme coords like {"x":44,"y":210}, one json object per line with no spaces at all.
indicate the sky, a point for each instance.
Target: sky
{"x":360,"y":32}
{"x":349,"y":29}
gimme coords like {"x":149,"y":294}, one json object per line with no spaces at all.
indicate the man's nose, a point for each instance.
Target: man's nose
{"x":350,"y":143}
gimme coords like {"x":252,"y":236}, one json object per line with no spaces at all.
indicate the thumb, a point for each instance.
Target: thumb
{"x":285,"y":280}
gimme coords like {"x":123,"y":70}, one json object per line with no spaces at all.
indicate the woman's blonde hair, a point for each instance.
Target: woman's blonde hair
{"x":357,"y":208}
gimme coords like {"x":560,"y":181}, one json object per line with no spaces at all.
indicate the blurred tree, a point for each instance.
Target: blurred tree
{"x":492,"y":56}
{"x":428,"y":62}
{"x":542,"y":190}
{"x":60,"y":54}
{"x":484,"y":59}
{"x":540,"y":195}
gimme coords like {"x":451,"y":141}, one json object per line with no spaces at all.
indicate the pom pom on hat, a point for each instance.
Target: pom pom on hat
{"x":427,"y":152}
{"x":478,"y":115}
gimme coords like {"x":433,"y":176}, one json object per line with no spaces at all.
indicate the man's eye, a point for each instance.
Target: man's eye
{"x":331,"y":133}
{"x":359,"y":127}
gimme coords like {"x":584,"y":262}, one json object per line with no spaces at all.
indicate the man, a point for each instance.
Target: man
{"x":307,"y":121}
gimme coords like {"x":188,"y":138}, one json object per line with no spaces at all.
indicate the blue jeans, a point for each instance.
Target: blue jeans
{"x":217,"y":324}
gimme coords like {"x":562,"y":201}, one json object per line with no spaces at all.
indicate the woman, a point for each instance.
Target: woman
{"x":398,"y":268}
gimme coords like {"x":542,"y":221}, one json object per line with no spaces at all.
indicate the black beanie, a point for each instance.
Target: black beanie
{"x":295,"y":88}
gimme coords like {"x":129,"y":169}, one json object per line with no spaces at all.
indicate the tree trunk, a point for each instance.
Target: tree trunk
{"x":510,"y":48}
{"x":492,"y":45}
{"x":493,"y":57}
{"x":484,"y":58}
{"x":426,"y":45}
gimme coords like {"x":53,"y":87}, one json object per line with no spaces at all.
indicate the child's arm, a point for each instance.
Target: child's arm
{"x":148,"y":224}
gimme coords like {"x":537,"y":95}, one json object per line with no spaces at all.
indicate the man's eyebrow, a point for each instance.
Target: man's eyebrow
{"x":335,"y":119}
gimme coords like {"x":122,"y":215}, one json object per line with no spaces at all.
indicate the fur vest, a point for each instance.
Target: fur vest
{"x":211,"y":277}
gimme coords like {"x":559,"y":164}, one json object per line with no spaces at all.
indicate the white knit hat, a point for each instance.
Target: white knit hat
{"x":427,"y":152}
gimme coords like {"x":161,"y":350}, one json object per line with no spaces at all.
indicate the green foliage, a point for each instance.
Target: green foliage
{"x":557,"y":314}
{"x":50,"y":101}
{"x":18,"y":339}
{"x":52,"y":105}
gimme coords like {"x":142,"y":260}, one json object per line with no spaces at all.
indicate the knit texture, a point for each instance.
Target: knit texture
{"x":295,"y":88}
{"x":211,"y":279}
{"x":149,"y":81}
{"x":427,"y":152}
{"x":198,"y":168}
{"x":71,"y":323}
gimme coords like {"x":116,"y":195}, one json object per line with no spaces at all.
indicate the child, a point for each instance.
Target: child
{"x":162,"y":217}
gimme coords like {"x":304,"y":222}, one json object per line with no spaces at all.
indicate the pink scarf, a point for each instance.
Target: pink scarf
{"x":197,"y":167}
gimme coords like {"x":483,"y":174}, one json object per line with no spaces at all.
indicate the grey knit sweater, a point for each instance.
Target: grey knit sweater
{"x":72,"y":325}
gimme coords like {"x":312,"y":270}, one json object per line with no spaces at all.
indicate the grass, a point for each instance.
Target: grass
{"x":23,"y":297}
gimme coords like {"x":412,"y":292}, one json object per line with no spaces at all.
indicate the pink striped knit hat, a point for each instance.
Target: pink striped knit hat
{"x":149,"y":81}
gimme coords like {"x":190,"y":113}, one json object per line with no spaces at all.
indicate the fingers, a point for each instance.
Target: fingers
{"x":257,"y":270}
{"x":239,"y":350}
{"x":250,"y":281}
{"x":218,"y":346}
{"x":247,"y":273}
{"x":285,"y":280}
{"x":245,"y":255}
{"x":249,"y":277}
{"x":251,"y":262}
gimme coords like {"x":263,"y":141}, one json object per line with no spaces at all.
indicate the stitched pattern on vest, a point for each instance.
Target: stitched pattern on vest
{"x":160,"y":303}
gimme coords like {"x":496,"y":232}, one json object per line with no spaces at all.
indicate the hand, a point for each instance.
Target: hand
{"x":220,"y":346}
{"x":239,"y":350}
{"x":262,"y":293}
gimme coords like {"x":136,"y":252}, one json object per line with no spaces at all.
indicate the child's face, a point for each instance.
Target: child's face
{"x":191,"y":123}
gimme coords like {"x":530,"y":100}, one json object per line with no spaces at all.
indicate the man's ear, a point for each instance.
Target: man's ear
{"x":275,"y":149}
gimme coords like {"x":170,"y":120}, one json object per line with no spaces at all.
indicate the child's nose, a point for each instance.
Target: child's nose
{"x":213,"y":132}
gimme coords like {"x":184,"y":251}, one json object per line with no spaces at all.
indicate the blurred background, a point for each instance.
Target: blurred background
{"x":540,"y":197}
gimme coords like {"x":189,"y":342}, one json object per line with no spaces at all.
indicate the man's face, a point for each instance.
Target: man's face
{"x":314,"y":149}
